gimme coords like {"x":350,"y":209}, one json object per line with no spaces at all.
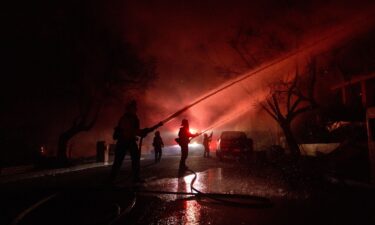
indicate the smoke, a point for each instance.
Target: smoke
{"x":190,"y":41}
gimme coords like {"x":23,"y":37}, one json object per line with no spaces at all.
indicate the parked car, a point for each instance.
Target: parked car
{"x":234,"y":144}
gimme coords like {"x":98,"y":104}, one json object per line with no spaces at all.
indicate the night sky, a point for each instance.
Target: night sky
{"x":58,"y":54}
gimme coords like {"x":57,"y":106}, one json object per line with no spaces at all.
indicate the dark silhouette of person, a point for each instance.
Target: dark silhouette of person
{"x":126,"y":133}
{"x":206,"y":144}
{"x":184,"y":136}
{"x":158,"y":145}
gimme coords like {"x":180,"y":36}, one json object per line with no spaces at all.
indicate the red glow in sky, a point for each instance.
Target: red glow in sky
{"x":191,"y":43}
{"x":188,"y":84}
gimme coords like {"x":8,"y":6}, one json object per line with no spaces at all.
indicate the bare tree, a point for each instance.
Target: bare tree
{"x":286,"y":99}
{"x":289,"y":99}
{"x":124,"y":71}
{"x":83,"y":122}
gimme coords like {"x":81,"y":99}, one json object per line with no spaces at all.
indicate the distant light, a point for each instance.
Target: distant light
{"x":194,"y":145}
{"x":192,"y":130}
{"x":42,"y":150}
{"x":188,"y":179}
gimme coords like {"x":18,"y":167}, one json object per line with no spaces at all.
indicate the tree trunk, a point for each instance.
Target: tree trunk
{"x":62,"y":147}
{"x":291,"y":141}
{"x":80,"y":124}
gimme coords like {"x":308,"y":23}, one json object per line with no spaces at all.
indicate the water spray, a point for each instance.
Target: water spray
{"x":308,"y":47}
{"x":223,"y":121}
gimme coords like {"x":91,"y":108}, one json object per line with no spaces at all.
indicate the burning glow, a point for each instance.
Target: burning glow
{"x":228,"y":102}
{"x":193,"y":131}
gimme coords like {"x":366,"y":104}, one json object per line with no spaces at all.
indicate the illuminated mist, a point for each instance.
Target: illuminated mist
{"x":230,"y":106}
{"x":188,"y":47}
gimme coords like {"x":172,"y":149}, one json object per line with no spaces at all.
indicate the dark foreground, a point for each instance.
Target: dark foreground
{"x":246,"y":194}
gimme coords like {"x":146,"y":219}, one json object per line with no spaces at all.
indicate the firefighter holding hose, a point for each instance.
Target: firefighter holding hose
{"x":126,"y":133}
{"x":158,"y":145}
{"x":206,"y":143}
{"x":183,"y":140}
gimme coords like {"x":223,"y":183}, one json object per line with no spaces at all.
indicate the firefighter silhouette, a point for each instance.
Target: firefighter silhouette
{"x":127,"y":133}
{"x":158,"y":145}
{"x":206,"y":144}
{"x":183,"y":140}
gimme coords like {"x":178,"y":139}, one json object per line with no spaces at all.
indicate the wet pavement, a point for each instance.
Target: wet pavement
{"x":230,"y":192}
{"x":219,"y":180}
{"x":32,"y":173}
{"x":328,"y":205}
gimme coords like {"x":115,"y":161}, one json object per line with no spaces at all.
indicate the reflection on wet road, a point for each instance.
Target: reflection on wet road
{"x":218,"y":180}
{"x":186,"y":209}
{"x":191,"y":207}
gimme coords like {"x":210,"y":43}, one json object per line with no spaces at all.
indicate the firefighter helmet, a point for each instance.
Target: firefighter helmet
{"x":185,"y":122}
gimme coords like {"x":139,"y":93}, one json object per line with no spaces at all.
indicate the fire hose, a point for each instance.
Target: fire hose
{"x":341,"y":30}
{"x":237,"y":200}
{"x":215,"y":196}
{"x":254,"y":201}
{"x":243,"y":200}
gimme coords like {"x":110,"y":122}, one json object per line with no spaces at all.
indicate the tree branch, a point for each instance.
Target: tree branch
{"x":268,"y":111}
{"x":94,"y":119}
{"x":272,"y":107}
{"x":290,"y":91}
{"x":295,"y":104}
{"x":276,"y":105}
{"x":300,"y":111}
